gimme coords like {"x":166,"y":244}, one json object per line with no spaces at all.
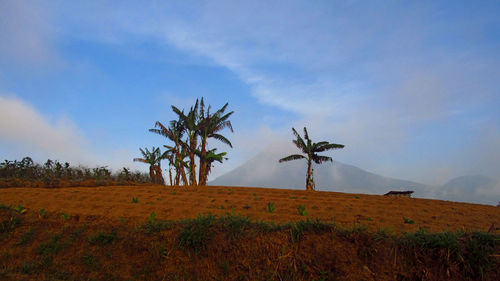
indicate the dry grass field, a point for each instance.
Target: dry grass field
{"x":115,"y":203}
{"x":165,"y":233}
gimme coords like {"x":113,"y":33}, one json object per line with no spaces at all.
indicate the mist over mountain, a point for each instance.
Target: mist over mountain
{"x":475,"y":188}
{"x":264,"y":170}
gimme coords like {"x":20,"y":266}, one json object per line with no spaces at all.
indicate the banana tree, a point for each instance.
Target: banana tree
{"x":310,"y":152}
{"x":191,"y":125}
{"x":175,"y":133}
{"x":210,"y":126}
{"x":153,"y":158}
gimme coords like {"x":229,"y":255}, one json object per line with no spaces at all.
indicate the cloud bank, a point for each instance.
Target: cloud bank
{"x":23,"y":127}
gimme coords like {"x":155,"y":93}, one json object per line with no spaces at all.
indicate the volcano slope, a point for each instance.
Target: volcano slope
{"x":235,"y":233}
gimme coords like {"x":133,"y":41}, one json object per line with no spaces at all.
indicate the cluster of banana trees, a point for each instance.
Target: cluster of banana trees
{"x":189,"y":157}
{"x":27,"y":169}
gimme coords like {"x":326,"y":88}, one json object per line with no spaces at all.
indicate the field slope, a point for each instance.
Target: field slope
{"x":236,"y":233}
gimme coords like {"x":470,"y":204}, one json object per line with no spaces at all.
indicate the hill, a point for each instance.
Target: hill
{"x":264,"y":170}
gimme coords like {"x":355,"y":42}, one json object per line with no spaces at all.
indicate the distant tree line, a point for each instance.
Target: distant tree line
{"x":190,"y":158}
{"x":53,"y":173}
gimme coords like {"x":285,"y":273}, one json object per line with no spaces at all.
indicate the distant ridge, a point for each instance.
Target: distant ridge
{"x":263,"y":170}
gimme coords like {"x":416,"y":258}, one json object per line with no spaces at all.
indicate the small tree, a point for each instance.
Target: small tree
{"x":310,"y":150}
{"x":153,"y":158}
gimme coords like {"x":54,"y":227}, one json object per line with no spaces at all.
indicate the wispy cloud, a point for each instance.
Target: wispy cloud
{"x":21,"y":125}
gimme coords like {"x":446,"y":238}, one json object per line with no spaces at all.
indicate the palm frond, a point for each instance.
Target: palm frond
{"x":318,"y":159}
{"x":324,"y":146}
{"x":292,"y":157}
{"x":140,"y":160}
{"x":222,"y":139}
{"x":299,"y":142}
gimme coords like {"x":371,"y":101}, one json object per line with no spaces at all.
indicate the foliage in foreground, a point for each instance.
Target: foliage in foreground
{"x":468,"y":255}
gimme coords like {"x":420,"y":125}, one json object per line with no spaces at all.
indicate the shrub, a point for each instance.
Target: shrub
{"x":270,"y":207}
{"x":235,"y":225}
{"x":42,"y":213}
{"x":103,"y":238}
{"x":26,"y":238}
{"x":196,"y":233}
{"x":408,"y":221}
{"x":297,"y":229}
{"x":302,"y":210}
{"x":51,"y":247}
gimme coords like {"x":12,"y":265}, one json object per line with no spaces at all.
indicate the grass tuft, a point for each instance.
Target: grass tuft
{"x":196,"y":233}
{"x":302,"y":210}
{"x":102,"y":238}
{"x":270,"y":207}
{"x":26,"y":238}
{"x":408,"y":221}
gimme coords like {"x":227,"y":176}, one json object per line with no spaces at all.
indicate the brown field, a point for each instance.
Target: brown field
{"x":168,"y":203}
{"x":105,"y":236}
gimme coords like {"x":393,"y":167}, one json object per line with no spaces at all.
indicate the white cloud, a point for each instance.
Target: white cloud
{"x":30,"y":132}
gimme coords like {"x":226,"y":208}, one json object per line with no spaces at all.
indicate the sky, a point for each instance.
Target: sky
{"x":409,"y":87}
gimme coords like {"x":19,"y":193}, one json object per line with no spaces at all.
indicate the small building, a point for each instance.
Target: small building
{"x":399,"y":193}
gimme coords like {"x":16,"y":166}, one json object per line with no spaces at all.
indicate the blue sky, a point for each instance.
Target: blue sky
{"x":410,"y":87}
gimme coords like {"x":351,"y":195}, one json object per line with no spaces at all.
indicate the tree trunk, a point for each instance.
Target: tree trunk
{"x":192,"y":165}
{"x":152,"y":173}
{"x":309,"y":176}
{"x":159,"y":176}
{"x":202,"y":175}
{"x":170,"y":174}
{"x":180,"y":168}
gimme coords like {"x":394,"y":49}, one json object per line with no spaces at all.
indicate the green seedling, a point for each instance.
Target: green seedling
{"x":270,"y":207}
{"x":42,"y":214}
{"x":152,"y":217}
{"x":135,"y":200}
{"x":408,"y":221}
{"x":20,"y":209}
{"x":65,"y":217}
{"x":302,"y":210}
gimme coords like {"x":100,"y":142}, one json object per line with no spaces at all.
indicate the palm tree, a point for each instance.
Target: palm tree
{"x":209,"y":127}
{"x":310,"y":149}
{"x":211,"y":157}
{"x":191,"y":125}
{"x":153,"y":158}
{"x":175,"y":133}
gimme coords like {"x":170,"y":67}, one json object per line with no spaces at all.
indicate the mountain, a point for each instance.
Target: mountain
{"x":475,"y":188}
{"x":264,"y":170}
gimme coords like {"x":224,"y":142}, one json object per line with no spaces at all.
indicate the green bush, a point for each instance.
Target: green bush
{"x":302,"y":210}
{"x":270,"y":207}
{"x":103,"y":238}
{"x":196,"y":233}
